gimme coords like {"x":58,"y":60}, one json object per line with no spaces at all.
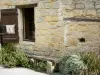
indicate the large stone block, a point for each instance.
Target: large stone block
{"x":91,"y":37}
{"x":76,"y":34}
{"x":79,"y":6}
{"x":68,"y":7}
{"x":40,"y":19}
{"x":56,"y":5}
{"x":41,"y":5}
{"x":43,"y":39}
{"x":97,"y":2}
{"x":97,"y":6}
{"x":67,"y":2}
{"x":89,"y":5}
{"x":53,"y":12}
{"x":48,"y":5}
{"x":53,"y":24}
{"x":84,"y":47}
{"x":43,"y":25}
{"x":43,"y":32}
{"x":48,"y":18}
{"x":37,"y":10}
{"x":93,"y":28}
{"x":79,"y":13}
{"x":59,"y":31}
{"x":81,"y":28}
{"x":98,"y":13}
{"x":44,"y":12}
{"x":67,"y":13}
{"x":93,"y":44}
{"x":71,"y":41}
{"x":52,"y":18}
{"x":79,"y":1}
{"x":91,"y":13}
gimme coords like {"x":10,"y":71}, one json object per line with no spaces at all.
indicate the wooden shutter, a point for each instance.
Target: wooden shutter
{"x":10,"y":17}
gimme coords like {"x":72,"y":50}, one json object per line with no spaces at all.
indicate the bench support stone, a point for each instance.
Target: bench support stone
{"x":50,"y":67}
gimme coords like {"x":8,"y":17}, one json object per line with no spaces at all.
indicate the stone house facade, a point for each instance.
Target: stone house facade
{"x":61,"y":26}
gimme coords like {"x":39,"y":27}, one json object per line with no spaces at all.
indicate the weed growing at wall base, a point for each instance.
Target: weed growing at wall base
{"x":11,"y":57}
{"x":92,"y":60}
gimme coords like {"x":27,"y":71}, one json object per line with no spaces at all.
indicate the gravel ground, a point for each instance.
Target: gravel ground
{"x":18,"y":71}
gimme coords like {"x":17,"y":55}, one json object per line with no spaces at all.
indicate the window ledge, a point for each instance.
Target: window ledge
{"x":27,"y":43}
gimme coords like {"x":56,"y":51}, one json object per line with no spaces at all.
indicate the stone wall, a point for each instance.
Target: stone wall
{"x":49,"y":30}
{"x":49,"y":27}
{"x":81,"y":8}
{"x":56,"y":37}
{"x":90,"y":31}
{"x":60,"y":37}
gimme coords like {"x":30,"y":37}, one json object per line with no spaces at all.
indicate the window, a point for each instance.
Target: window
{"x":28,"y":27}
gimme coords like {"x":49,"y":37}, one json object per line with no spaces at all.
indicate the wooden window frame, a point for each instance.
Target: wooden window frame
{"x":20,"y":22}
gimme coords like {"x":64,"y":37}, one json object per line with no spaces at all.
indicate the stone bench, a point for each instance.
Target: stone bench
{"x":51,"y":62}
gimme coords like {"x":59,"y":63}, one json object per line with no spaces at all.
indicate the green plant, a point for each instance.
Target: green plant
{"x":0,"y":57}
{"x":22,"y":59}
{"x":72,"y":65}
{"x":12,"y":57}
{"x":62,"y":63}
{"x":92,"y":60}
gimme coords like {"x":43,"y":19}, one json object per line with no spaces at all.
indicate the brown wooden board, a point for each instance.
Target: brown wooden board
{"x":10,"y":17}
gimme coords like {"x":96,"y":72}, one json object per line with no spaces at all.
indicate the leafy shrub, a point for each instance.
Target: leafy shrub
{"x":62,"y":63}
{"x":0,"y":57}
{"x":72,"y":65}
{"x":11,"y":57}
{"x":92,"y":60}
